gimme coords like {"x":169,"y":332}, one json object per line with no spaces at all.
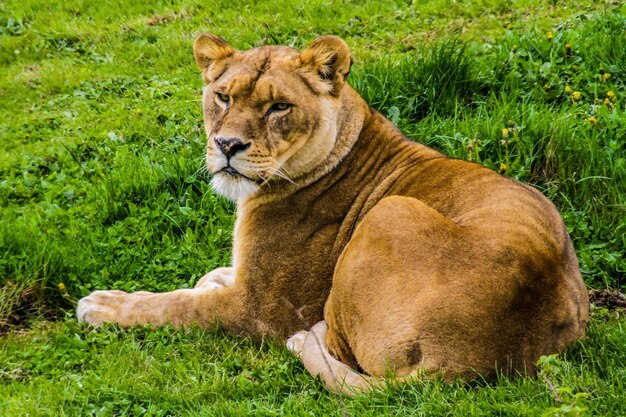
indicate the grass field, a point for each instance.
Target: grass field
{"x":101,"y":186}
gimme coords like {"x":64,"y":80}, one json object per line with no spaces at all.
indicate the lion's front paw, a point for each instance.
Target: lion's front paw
{"x":102,"y":307}
{"x":296,"y":342}
{"x":218,"y":278}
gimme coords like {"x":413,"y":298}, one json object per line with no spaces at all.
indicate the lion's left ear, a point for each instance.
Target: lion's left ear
{"x":329,"y":58}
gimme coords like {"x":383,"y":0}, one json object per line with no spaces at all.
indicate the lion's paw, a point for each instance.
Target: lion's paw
{"x":101,"y":307}
{"x":296,"y":342}
{"x":218,"y":278}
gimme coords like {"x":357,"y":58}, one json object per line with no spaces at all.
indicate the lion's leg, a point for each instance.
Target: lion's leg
{"x":205,"y":305}
{"x":339,"y":377}
{"x":218,"y":278}
{"x":389,"y":286}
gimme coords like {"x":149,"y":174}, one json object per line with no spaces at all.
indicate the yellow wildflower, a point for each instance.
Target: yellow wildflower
{"x":592,"y":120}
{"x":607,"y":101}
{"x":505,"y":133}
{"x":567,"y":89}
{"x":503,"y":167}
{"x":606,"y":76}
{"x":549,"y":35}
{"x":568,"y":46}
{"x":62,"y":287}
{"x":576,"y":95}
{"x":610,"y":95}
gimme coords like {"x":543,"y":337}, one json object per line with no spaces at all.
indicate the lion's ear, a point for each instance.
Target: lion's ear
{"x":208,"y":49}
{"x":329,"y":58}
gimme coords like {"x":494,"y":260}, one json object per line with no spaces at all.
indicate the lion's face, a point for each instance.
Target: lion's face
{"x":271,"y":112}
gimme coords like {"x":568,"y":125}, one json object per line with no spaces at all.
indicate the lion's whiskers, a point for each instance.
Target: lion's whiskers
{"x":282,"y":175}
{"x":286,"y":172}
{"x":267,"y":167}
{"x":203,"y":169}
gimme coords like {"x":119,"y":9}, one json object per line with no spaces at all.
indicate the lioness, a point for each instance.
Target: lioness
{"x":410,"y":261}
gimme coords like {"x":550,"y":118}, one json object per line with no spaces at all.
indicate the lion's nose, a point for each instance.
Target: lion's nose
{"x":230,"y":146}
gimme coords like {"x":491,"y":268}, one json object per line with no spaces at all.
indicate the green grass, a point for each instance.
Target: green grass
{"x":101,"y":186}
{"x":63,"y":370}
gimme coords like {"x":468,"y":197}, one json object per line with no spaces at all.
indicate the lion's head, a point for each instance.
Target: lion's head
{"x":270,"y":112}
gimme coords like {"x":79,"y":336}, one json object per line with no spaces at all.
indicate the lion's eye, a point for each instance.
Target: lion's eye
{"x":280,"y":106}
{"x":224,"y":98}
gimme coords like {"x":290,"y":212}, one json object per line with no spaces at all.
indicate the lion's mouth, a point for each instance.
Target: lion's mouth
{"x":234,"y":173}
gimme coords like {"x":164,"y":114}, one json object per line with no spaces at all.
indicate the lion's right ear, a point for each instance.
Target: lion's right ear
{"x":208,"y":49}
{"x":329,"y":58}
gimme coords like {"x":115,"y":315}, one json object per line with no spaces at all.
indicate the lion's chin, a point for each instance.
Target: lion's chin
{"x":233,"y":187}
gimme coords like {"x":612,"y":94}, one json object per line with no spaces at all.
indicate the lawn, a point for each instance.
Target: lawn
{"x":102,"y":186}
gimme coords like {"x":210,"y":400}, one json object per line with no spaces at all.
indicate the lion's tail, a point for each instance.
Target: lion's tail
{"x":337,"y":376}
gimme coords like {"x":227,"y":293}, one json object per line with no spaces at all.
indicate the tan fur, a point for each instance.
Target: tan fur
{"x":416,"y":262}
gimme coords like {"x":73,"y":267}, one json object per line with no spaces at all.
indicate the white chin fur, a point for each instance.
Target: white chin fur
{"x":233,"y":188}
